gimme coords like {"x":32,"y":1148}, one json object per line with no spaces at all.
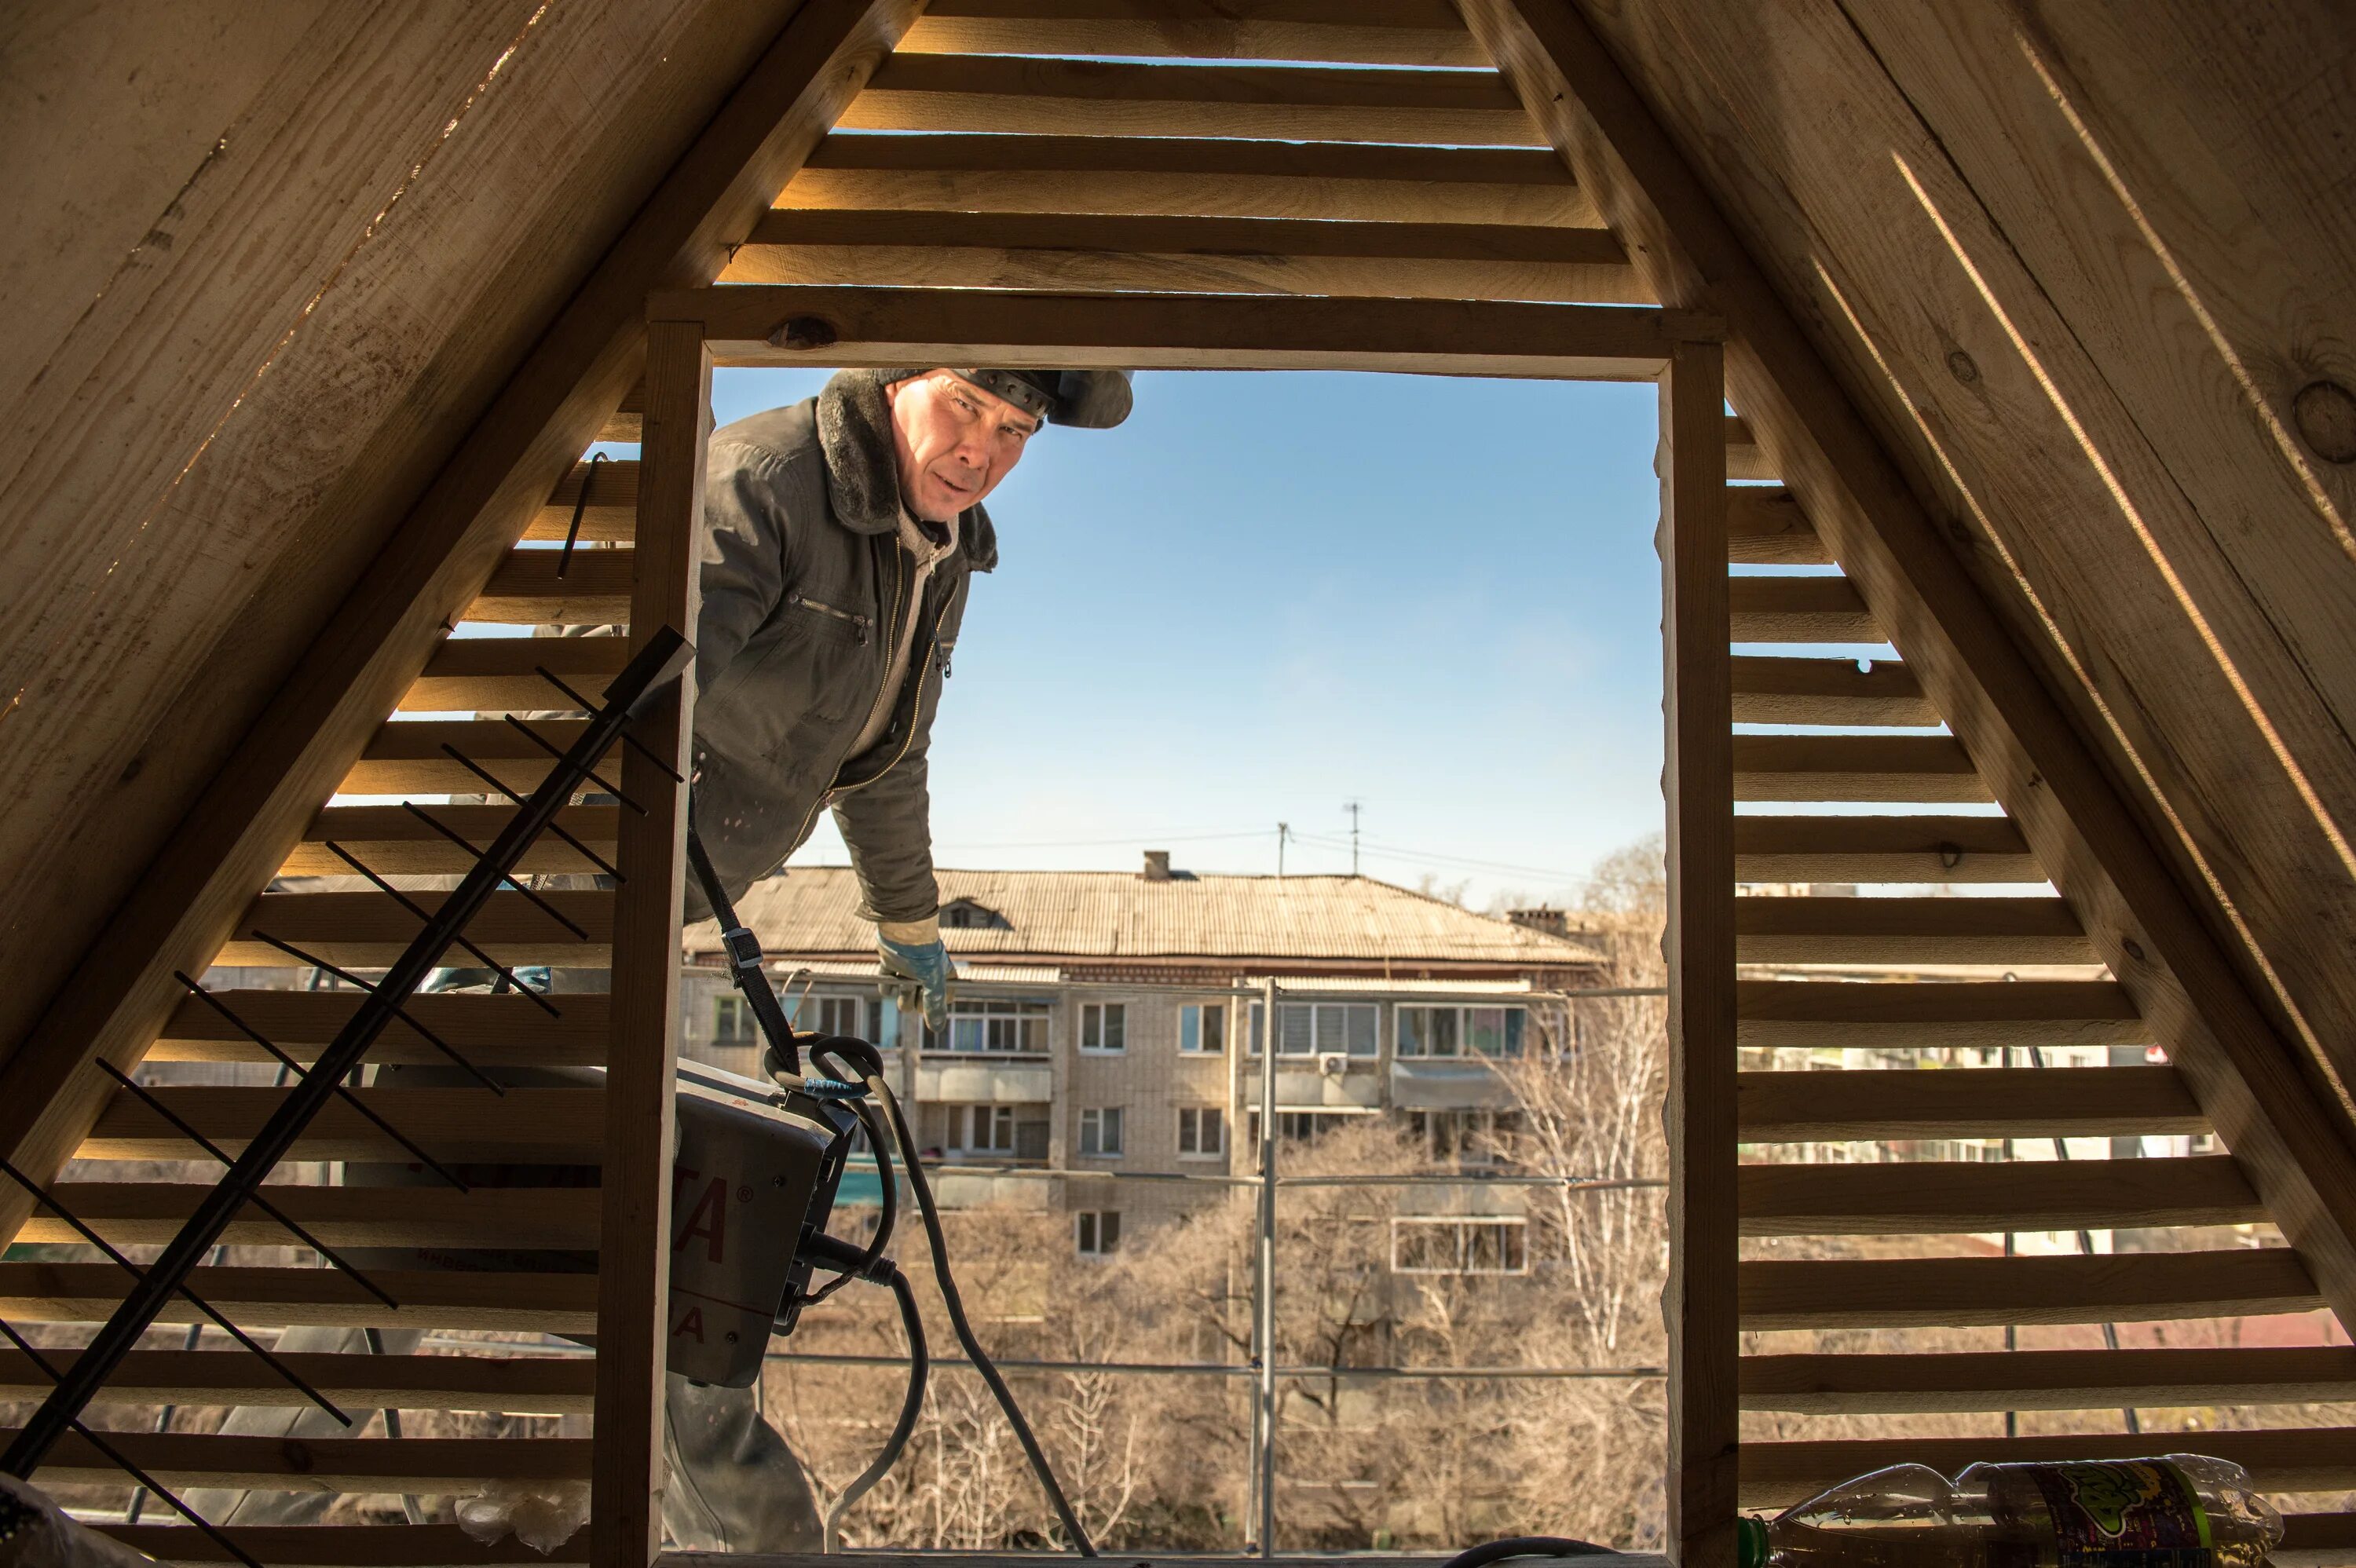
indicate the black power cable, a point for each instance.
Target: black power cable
{"x":919,"y":1366}
{"x":1527,"y":1546}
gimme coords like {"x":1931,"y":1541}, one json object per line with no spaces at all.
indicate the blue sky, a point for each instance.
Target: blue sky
{"x":1268,"y":595}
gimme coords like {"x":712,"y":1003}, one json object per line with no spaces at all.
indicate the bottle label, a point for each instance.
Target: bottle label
{"x":2125,"y":1513}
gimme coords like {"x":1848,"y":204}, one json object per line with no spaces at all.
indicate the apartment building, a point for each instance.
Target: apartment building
{"x":1111,"y":1022}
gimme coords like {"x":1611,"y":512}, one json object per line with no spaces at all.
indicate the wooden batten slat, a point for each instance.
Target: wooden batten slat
{"x":1767,"y":528}
{"x":1909,"y":931}
{"x":1966,"y":1293}
{"x":2316,"y":1540}
{"x":1816,"y":1384}
{"x":540,"y":587}
{"x":406,"y":757}
{"x":490,"y":1030}
{"x":515,"y":1385}
{"x":624,"y":423}
{"x":1929,"y":768}
{"x":287,"y":1298}
{"x":368,"y":930}
{"x":502,"y":673}
{"x":1952,"y":1015}
{"x":1393,"y":241}
{"x":1744,"y":460}
{"x":998,"y":93}
{"x":1777,"y":1475}
{"x":1339,"y":32}
{"x":389,"y":840}
{"x":1929,"y":1197}
{"x":1770,"y":690}
{"x":319,"y":1463}
{"x":1190,"y":176}
{"x":611,"y":515}
{"x":1903,"y":1104}
{"x":1800,"y":610}
{"x":151,"y":1214}
{"x":1881,"y":848}
{"x":346,"y":1546}
{"x":550,"y":1125}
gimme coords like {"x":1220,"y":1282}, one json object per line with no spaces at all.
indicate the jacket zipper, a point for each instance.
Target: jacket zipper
{"x":860,"y":622}
{"x":828,"y":796}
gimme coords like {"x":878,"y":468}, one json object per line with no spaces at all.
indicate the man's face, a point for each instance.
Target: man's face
{"x":955,"y":441}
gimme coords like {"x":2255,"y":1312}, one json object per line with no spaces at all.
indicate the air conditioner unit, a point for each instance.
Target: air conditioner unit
{"x":1331,"y":1064}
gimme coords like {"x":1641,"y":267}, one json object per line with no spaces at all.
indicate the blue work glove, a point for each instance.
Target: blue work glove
{"x":910,"y":953}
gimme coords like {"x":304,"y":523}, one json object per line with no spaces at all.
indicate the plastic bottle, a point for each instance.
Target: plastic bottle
{"x":2182,"y":1512}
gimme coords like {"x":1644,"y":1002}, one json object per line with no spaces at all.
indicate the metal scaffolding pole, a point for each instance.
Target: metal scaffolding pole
{"x":1263,"y":1425}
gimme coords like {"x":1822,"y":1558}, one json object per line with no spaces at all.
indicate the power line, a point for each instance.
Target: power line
{"x":1392,"y":852}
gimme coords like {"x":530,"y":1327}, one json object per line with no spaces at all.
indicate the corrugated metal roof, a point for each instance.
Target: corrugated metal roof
{"x":1113,"y":915}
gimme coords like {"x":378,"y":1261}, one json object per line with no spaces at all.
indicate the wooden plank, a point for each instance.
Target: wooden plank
{"x":2046,"y":1379}
{"x":1932,"y":1198}
{"x":368,"y":930}
{"x":1773,"y":690}
{"x":1197,"y":255}
{"x":1882,"y":848}
{"x":1965,"y":1293}
{"x":635,"y":1245}
{"x":611,"y":512}
{"x":555,"y":1125}
{"x":1909,"y":931}
{"x":389,"y":840}
{"x":624,"y":423}
{"x":1769,"y":528}
{"x":406,"y":757}
{"x":1743,"y":458}
{"x":964,"y":93}
{"x":285,"y":1297}
{"x":2316,"y":1540}
{"x":2264,"y":1091}
{"x":1341,"y":32}
{"x":920,"y":326}
{"x":517,"y":1385}
{"x":235,"y":836}
{"x":488,"y":1030}
{"x":536,"y":587}
{"x":151,"y":1214}
{"x":1704,"y":1419}
{"x":1776,"y":1475}
{"x":501,"y":674}
{"x":1950,"y":1015}
{"x":319,"y":1463}
{"x":344,"y":1546}
{"x":1902,"y":1105}
{"x":1855,"y":768}
{"x":1800,"y":610}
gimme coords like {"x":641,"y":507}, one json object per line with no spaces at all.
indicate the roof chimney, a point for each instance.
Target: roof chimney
{"x":1553,"y":922}
{"x":1157,"y":865}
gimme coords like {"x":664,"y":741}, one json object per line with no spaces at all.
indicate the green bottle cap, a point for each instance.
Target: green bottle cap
{"x":1749,"y":1541}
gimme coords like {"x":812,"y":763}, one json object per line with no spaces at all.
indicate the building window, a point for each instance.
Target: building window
{"x":1297,"y":1126}
{"x":1096,"y":1231}
{"x":1104,"y":1026}
{"x":1202,"y":1131}
{"x":1320,"y":1029}
{"x":1451,"y":1244}
{"x":981,"y":1129}
{"x":1203,"y":1029}
{"x":1469,"y":1137}
{"x":859,"y":1017}
{"x":964,"y":914}
{"x":1100,"y":1132}
{"x":731,"y":1020}
{"x":1425,"y":1031}
{"x":1004,"y":1027}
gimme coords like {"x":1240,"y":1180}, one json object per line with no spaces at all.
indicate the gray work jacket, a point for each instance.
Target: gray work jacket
{"x":804,"y":584}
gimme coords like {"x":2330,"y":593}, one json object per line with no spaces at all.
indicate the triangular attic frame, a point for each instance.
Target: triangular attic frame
{"x":1340,"y":214}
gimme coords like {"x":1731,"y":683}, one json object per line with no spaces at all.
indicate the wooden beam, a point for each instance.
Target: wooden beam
{"x":611,"y":510}
{"x":140,"y":1213}
{"x":1776,"y":1475}
{"x":1950,"y":1015}
{"x":344,"y":1546}
{"x":407,"y":758}
{"x":368,"y":930}
{"x":1002,"y":93}
{"x":626,"y":1501}
{"x":1773,"y":690}
{"x":490,"y":1030}
{"x":391,"y":841}
{"x":1768,"y":527}
{"x":527,"y":589}
{"x":516,"y":1385}
{"x":1853,"y":768}
{"x":1880,"y":848}
{"x":905,"y":326}
{"x":289,"y":1297}
{"x":319,"y":1463}
{"x":1967,"y":1293}
{"x":1814,"y":1384}
{"x":1903,"y":1105}
{"x":2266,"y":1095}
{"x":1341,"y":32}
{"x":1909,"y":931}
{"x":1934,"y":1197}
{"x":502,"y":673}
{"x":238,"y":833}
{"x":1800,"y":610}
{"x":1698,"y":945}
{"x":533,"y":1126}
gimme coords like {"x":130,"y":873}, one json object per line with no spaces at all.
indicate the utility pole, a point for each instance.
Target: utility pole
{"x":1353,"y":807}
{"x":1284,"y":831}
